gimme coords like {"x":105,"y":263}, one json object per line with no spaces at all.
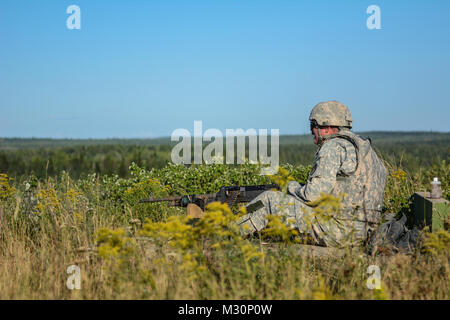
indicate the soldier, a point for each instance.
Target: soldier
{"x":345,"y":166}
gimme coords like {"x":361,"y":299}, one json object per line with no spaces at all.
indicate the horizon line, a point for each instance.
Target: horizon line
{"x":169,"y":137}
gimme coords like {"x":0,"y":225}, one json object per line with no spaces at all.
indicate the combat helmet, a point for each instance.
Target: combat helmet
{"x":331,"y":113}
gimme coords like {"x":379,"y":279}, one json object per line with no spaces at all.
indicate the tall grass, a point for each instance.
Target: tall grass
{"x":127,"y":250}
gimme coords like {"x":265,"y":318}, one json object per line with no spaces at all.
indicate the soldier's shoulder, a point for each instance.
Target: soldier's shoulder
{"x":338,"y":143}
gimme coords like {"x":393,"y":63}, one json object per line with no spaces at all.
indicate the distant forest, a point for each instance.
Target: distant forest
{"x":48,"y":157}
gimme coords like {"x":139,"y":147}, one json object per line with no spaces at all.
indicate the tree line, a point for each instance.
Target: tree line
{"x":79,"y":160}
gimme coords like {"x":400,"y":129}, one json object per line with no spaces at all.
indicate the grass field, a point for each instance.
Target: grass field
{"x":128,"y":250}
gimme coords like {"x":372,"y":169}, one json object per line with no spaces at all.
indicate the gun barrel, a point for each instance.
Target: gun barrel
{"x":160,"y":199}
{"x":181,"y":200}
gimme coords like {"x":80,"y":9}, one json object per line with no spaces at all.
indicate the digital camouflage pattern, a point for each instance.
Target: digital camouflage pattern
{"x":336,"y":158}
{"x":331,"y":113}
{"x":297,"y":215}
{"x":345,"y":166}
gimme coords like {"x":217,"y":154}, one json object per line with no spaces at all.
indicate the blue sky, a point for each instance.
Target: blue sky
{"x":146,"y":68}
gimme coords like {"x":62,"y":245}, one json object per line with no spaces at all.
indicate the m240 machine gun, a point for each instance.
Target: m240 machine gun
{"x":196,"y":203}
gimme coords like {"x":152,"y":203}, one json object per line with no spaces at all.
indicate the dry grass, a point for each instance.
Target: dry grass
{"x":47,"y":227}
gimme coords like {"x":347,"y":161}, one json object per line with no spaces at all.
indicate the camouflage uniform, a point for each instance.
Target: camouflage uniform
{"x":345,"y":166}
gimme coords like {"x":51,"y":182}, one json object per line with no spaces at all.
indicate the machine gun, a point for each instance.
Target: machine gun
{"x":195,"y":203}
